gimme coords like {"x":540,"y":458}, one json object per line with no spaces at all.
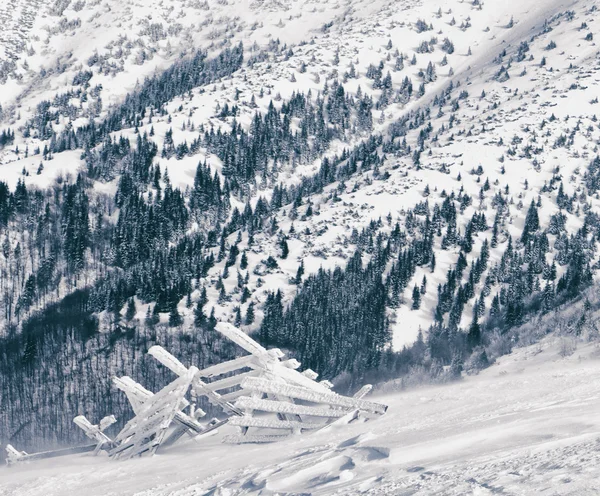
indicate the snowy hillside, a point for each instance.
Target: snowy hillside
{"x":485,"y":129}
{"x":526,"y":425}
{"x":387,"y":190}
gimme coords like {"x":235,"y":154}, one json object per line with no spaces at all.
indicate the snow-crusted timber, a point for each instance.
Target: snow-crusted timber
{"x":15,"y":456}
{"x":261,"y":391}
{"x":263,"y":383}
{"x":94,"y":432}
{"x":147,"y":430}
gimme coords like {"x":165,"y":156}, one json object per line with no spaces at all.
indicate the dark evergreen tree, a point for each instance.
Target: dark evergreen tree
{"x":249,"y":320}
{"x":416,"y":298}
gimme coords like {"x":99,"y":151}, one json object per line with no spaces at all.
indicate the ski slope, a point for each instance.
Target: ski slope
{"x":530,"y":424}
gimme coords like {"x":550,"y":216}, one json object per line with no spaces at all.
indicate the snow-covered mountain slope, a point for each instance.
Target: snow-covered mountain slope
{"x":441,"y":155}
{"x":49,"y":42}
{"x":134,"y":38}
{"x":483,"y":130}
{"x":527,"y":425}
{"x":480,"y":125}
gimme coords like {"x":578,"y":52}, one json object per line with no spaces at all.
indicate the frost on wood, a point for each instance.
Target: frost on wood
{"x":268,"y":423}
{"x":363,"y":391}
{"x":167,"y":360}
{"x":308,"y":395}
{"x":13,"y":455}
{"x":147,"y":429}
{"x":263,"y":382}
{"x":138,"y":396}
{"x":95,"y":432}
{"x":252,"y":438}
{"x":283,"y":407}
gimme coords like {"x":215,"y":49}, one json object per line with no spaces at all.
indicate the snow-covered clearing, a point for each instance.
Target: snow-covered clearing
{"x":530,"y":424}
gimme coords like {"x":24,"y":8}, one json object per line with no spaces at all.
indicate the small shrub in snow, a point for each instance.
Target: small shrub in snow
{"x":448,"y":46}
{"x":421,"y":26}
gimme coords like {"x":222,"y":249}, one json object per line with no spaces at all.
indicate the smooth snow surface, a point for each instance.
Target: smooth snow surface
{"x":528,"y":425}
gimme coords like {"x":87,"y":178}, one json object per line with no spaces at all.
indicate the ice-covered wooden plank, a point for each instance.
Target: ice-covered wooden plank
{"x":138,"y":394}
{"x":271,"y":376}
{"x":244,"y":402}
{"x":328,"y":398}
{"x":106,"y":422}
{"x":234,"y":380}
{"x":168,"y":360}
{"x":211,"y":427}
{"x":269,"y":359}
{"x":13,"y":455}
{"x":283,"y":399}
{"x":174,"y":436}
{"x":202,"y":389}
{"x":344,"y":420}
{"x":241,"y":339}
{"x":292,"y":363}
{"x":362,"y":392}
{"x":189,"y":422}
{"x":311,"y":374}
{"x":233,"y":395}
{"x":276,"y":353}
{"x":214,"y":425}
{"x":295,"y":377}
{"x":251,"y":439}
{"x":22,"y":456}
{"x":95,"y":431}
{"x":146,"y":431}
{"x":267,"y":423}
{"x":230,"y":366}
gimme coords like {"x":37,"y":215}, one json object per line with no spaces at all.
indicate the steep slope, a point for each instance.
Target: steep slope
{"x":429,"y":151}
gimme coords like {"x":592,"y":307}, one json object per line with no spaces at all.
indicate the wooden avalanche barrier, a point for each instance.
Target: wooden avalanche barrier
{"x":263,"y":397}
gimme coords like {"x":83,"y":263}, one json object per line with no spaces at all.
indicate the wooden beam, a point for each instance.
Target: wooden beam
{"x":251,"y":439}
{"x":346,"y":419}
{"x":138,"y":396}
{"x":329,"y":398}
{"x":234,"y":380}
{"x":281,"y":407}
{"x":168,"y":360}
{"x":266,"y":423}
{"x":147,"y":430}
{"x":230,"y":366}
{"x":202,"y":389}
{"x":234,"y":395}
{"x":242,"y":339}
{"x":362,"y":392}
{"x":295,"y":377}
{"x":51,"y":454}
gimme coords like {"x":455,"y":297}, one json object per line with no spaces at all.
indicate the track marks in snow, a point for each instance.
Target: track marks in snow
{"x":353,"y":463}
{"x":551,"y":468}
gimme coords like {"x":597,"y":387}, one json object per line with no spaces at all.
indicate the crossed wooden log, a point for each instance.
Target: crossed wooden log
{"x":260,"y":391}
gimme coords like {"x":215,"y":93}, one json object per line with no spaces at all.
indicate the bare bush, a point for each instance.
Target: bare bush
{"x":567,"y":346}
